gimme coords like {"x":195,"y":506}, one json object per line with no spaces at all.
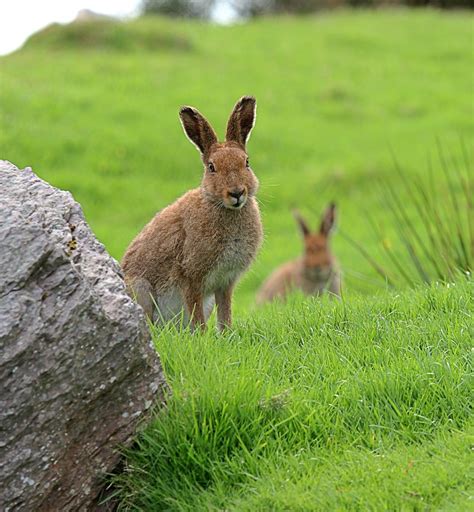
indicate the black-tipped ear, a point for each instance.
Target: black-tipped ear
{"x":242,"y":120}
{"x":301,"y":223}
{"x":198,"y":130}
{"x":328,"y":220}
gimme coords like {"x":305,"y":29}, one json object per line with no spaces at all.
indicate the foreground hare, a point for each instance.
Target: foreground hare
{"x":314,"y":273}
{"x":192,"y":252}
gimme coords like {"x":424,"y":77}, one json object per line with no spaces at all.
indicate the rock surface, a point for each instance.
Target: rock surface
{"x":77,"y":368}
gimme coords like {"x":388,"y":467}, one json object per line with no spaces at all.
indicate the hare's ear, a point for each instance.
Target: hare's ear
{"x":241,"y":120}
{"x":301,"y":223}
{"x":198,"y":130}
{"x":328,"y":220}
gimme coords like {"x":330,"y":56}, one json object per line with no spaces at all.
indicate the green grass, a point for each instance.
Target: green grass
{"x":334,"y":93}
{"x":362,"y":406}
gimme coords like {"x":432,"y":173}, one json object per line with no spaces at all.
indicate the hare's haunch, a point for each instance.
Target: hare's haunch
{"x":191,"y":254}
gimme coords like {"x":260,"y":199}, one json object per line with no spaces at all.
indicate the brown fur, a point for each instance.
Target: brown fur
{"x":314,"y":273}
{"x":192,"y":252}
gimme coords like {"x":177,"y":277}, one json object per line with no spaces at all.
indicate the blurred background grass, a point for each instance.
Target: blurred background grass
{"x":93,"y":108}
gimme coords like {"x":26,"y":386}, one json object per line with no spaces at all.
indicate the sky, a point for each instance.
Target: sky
{"x":21,"y":18}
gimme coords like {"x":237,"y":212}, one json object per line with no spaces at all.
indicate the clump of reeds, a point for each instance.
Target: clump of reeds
{"x":433,"y":219}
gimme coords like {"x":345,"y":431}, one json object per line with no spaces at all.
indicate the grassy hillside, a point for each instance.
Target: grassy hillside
{"x":363,"y":404}
{"x":94,"y":110}
{"x":351,"y":406}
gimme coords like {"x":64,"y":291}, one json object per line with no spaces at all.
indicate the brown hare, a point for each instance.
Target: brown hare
{"x":316,"y":272}
{"x":190,"y":255}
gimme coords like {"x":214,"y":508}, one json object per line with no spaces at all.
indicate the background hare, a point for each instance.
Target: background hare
{"x":315,"y":272}
{"x":191,"y":254}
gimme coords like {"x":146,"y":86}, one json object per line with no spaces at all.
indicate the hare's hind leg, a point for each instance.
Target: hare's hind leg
{"x":142,"y":291}
{"x":209,"y":303}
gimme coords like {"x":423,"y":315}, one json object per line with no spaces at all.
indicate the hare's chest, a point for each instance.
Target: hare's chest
{"x":234,"y":256}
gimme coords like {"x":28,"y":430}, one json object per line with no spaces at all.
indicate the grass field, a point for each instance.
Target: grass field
{"x":363,"y":406}
{"x":360,"y":405}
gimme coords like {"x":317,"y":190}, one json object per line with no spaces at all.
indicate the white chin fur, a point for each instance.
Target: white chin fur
{"x":236,"y":206}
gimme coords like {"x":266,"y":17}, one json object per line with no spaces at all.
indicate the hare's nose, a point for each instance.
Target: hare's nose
{"x":237,"y":194}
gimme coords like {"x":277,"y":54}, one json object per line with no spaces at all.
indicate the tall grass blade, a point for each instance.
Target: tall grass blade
{"x":388,"y":251}
{"x":456,"y":216}
{"x":378,"y":268}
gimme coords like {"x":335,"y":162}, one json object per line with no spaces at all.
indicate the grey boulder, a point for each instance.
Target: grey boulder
{"x":78,"y":371}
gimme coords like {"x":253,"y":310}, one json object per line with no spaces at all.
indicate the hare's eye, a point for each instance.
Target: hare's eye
{"x":211,"y":167}
{"x":247,"y":163}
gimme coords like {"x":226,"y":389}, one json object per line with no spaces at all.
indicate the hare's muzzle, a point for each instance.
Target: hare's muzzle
{"x":237,"y":198}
